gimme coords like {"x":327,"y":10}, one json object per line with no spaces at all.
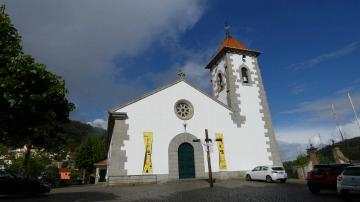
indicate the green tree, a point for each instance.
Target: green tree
{"x":10,"y":40}
{"x":92,"y":150}
{"x":3,"y":150}
{"x":32,"y":99}
{"x":52,"y":175}
{"x":37,"y":164}
{"x":301,"y":160}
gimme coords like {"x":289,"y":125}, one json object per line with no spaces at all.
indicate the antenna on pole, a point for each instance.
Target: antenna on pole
{"x":353,"y":108}
{"x":320,"y":141}
{"x":227,"y":29}
{"x":336,"y":121}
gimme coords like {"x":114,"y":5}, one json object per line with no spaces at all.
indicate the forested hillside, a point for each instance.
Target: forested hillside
{"x":74,"y":132}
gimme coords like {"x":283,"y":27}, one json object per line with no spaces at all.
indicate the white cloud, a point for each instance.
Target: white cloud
{"x":298,"y":89}
{"x":81,"y":39}
{"x":197,"y":73}
{"x":349,"y":48}
{"x":303,"y":135}
{"x":320,"y":109}
{"x":290,"y":151}
{"x":316,"y":134}
{"x":99,"y":123}
{"x":351,"y":129}
{"x":294,"y":140}
{"x":193,"y":65}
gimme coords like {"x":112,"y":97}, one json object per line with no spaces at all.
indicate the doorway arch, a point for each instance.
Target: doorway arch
{"x":173,"y":155}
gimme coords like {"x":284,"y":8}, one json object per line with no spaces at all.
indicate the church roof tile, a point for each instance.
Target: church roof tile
{"x":230,"y":44}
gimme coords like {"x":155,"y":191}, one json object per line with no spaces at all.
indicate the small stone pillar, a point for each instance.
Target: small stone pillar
{"x":97,"y":175}
{"x":339,"y":157}
{"x":312,"y":154}
{"x":100,"y":166}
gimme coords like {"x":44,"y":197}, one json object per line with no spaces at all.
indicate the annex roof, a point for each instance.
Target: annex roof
{"x":102,"y":162}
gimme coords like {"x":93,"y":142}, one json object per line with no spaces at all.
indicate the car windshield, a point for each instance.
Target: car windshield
{"x":277,"y":168}
{"x":256,"y":169}
{"x":354,"y":171}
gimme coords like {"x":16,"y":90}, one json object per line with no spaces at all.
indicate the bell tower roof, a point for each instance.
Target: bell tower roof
{"x":230,"y":44}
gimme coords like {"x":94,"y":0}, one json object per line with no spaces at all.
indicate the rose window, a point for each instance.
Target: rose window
{"x":184,"y":109}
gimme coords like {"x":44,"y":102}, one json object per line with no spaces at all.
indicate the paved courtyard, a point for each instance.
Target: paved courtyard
{"x":232,"y":190}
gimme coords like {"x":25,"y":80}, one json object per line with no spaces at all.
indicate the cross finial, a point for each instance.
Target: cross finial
{"x":181,"y":74}
{"x":227,"y":29}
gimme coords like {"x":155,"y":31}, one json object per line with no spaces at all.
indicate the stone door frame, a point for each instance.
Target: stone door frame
{"x":173,"y":155}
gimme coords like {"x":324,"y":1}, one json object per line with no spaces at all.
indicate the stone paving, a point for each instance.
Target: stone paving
{"x":231,"y":190}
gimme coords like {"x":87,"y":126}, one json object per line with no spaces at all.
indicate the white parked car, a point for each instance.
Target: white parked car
{"x":348,"y":182}
{"x":267,"y":173}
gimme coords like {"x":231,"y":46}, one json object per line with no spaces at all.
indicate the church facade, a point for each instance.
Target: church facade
{"x":151,"y":138}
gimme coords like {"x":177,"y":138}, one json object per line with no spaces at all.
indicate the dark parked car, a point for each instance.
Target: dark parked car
{"x":15,"y":184}
{"x":324,"y":176}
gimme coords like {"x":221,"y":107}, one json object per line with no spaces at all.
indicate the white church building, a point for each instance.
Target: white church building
{"x":151,"y":138}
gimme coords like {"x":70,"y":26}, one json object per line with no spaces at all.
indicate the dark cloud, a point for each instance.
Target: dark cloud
{"x":80,"y":39}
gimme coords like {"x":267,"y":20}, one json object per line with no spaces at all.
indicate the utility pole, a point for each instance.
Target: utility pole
{"x":337,"y":122}
{"x":320,"y":140}
{"x":207,"y":143}
{"x":353,"y":108}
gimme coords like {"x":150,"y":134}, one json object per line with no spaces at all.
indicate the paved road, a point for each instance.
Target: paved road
{"x":233,"y":190}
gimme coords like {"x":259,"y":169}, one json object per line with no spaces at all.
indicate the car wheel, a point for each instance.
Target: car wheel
{"x":282,"y":181}
{"x":248,"y":177}
{"x":314,"y":189}
{"x":268,"y":179}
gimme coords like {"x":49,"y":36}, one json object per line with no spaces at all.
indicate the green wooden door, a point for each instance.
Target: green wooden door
{"x":186,"y":161}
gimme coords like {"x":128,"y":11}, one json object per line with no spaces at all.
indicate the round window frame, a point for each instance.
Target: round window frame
{"x":191,"y":113}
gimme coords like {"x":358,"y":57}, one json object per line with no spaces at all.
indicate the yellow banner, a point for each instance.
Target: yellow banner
{"x":148,"y":148}
{"x":220,"y":144}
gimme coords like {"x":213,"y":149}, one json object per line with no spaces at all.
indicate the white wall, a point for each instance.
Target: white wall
{"x":245,"y":147}
{"x":250,"y":101}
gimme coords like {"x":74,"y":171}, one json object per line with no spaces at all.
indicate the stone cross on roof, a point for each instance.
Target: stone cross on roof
{"x":181,"y":74}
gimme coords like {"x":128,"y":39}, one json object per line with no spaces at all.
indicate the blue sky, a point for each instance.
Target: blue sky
{"x":110,"y":52}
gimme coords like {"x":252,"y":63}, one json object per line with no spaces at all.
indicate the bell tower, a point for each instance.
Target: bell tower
{"x":236,"y":82}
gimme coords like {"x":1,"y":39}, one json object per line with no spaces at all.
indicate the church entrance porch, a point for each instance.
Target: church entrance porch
{"x":186,"y":161}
